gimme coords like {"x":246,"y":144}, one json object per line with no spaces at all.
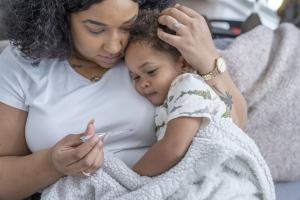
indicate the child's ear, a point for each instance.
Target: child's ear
{"x":184,"y":66}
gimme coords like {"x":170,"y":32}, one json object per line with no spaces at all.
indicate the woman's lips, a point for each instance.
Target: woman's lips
{"x":109,"y":60}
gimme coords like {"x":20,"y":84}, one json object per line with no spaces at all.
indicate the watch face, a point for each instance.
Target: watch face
{"x":221,"y":65}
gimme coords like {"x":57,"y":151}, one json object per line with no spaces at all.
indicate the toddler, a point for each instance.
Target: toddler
{"x":185,"y":103}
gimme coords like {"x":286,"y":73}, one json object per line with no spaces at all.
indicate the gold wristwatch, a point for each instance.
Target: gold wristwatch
{"x":220,"y":68}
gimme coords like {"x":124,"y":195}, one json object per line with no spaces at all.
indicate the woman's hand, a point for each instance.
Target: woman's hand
{"x":193,"y":38}
{"x":71,"y":156}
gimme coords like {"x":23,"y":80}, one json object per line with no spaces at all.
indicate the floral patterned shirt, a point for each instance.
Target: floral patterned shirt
{"x":189,"y":96}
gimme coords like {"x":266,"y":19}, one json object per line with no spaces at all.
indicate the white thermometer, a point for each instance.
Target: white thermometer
{"x":106,"y":134}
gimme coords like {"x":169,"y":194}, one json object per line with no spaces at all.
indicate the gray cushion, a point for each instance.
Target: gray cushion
{"x":288,"y":191}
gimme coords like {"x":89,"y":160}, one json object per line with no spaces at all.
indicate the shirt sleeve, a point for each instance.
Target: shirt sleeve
{"x":190,"y":96}
{"x":11,"y":92}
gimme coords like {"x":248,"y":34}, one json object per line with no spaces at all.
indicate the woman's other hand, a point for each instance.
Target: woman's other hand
{"x":193,"y":38}
{"x":71,"y":156}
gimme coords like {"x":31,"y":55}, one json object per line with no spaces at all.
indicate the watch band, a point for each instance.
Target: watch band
{"x":210,"y":75}
{"x":220,"y":67}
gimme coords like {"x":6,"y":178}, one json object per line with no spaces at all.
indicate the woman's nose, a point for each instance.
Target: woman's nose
{"x":114,"y":44}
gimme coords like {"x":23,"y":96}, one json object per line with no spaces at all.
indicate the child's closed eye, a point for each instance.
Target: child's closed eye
{"x":152,"y":72}
{"x":135,"y":78}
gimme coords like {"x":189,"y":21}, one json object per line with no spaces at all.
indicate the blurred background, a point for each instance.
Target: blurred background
{"x":230,"y":18}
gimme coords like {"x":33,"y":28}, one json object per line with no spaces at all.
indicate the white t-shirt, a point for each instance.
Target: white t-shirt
{"x":59,"y":101}
{"x":189,"y":96}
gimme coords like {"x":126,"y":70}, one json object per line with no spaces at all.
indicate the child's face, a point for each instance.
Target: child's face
{"x":152,"y":71}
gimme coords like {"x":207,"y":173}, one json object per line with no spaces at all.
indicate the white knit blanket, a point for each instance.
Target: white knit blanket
{"x":221,"y":163}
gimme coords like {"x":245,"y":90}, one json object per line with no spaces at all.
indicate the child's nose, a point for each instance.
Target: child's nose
{"x":145,"y":84}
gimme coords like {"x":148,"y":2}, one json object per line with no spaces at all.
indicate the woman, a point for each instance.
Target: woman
{"x":60,"y":72}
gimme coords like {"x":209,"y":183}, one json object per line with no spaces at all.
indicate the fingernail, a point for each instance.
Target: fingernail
{"x":100,"y":142}
{"x":100,"y":137}
{"x":92,"y":121}
{"x":177,"y":5}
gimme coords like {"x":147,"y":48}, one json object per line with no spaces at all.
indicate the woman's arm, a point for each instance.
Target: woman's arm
{"x":23,"y":173}
{"x":193,"y":40}
{"x":170,"y":150}
{"x":232,"y":97}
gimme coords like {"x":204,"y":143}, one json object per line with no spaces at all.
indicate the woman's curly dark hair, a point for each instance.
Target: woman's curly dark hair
{"x":40,"y":28}
{"x":145,"y":30}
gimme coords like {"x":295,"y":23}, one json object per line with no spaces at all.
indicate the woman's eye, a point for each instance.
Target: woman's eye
{"x":96,"y":32}
{"x":126,"y":30}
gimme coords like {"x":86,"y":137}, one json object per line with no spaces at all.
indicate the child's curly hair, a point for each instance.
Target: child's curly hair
{"x":40,"y":28}
{"x":145,"y":30}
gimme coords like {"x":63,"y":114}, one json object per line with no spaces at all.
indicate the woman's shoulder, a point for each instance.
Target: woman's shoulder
{"x":13,"y":57}
{"x":13,"y":61}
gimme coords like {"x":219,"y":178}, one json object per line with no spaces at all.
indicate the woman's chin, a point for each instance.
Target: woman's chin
{"x":106,"y":64}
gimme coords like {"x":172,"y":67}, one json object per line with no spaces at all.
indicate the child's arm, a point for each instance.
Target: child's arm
{"x":168,"y":151}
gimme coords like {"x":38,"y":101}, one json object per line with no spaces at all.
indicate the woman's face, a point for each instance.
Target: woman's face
{"x":100,"y":34}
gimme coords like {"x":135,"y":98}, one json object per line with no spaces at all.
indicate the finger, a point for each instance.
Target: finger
{"x":90,"y":129}
{"x":171,"y":39}
{"x":71,"y":140}
{"x":86,"y":163}
{"x":98,"y":161}
{"x":188,"y":11}
{"x":170,"y":22}
{"x":177,"y":14}
{"x":78,"y":153}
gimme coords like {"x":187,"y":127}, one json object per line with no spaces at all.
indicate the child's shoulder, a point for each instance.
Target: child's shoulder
{"x":188,"y":80}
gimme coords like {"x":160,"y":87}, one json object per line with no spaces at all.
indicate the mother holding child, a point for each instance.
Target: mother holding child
{"x":64,"y":70}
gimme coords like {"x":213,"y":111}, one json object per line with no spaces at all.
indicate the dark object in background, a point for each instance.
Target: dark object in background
{"x":251,"y":22}
{"x":290,"y":12}
{"x":232,"y":28}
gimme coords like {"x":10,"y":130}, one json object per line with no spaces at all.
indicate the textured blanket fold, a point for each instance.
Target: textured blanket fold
{"x":221,"y":163}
